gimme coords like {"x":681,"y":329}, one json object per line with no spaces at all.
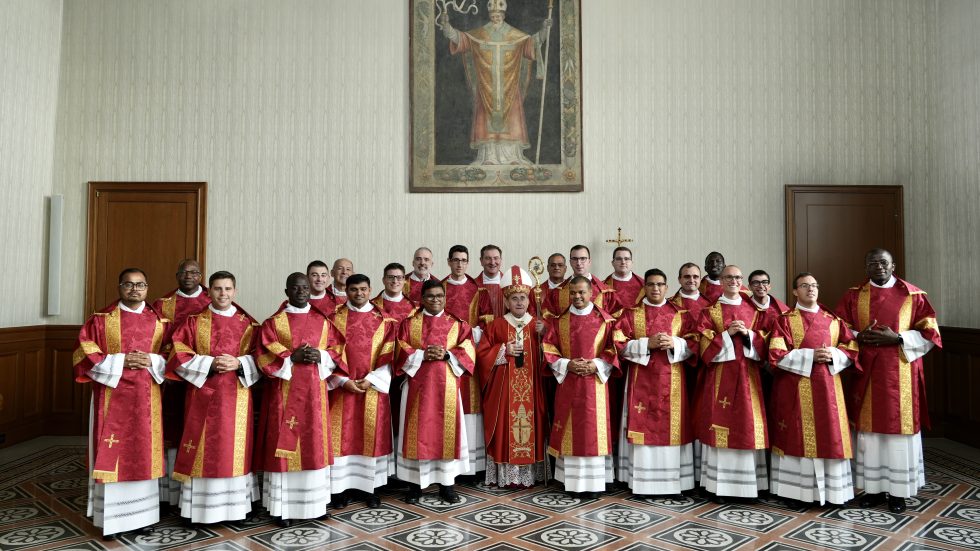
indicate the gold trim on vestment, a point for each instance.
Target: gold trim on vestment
{"x":242,"y":428}
{"x":845,"y":432}
{"x":412,"y":428}
{"x":864,"y":307}
{"x":198,"y":469}
{"x":676,"y":372}
{"x":601,"y":418}
{"x":758,"y":419}
{"x":806,"y":418}
{"x":337,"y":421}
{"x":370,"y":419}
{"x":324,"y":425}
{"x":156,"y":432}
{"x":449,"y":411}
{"x":796,"y":328}
{"x":204,"y":333}
{"x":906,"y":408}
{"x":566,"y":435}
{"x":639,"y":322}
{"x":283,"y":334}
{"x":170,"y":307}
{"x":721,"y":436}
{"x":113,"y":332}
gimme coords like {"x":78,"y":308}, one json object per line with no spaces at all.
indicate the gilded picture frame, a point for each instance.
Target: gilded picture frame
{"x":496,"y":96}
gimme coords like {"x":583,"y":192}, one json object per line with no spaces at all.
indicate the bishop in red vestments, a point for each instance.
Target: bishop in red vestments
{"x":655,"y":339}
{"x":811,"y":440}
{"x":435,"y":349}
{"x":627,"y":286}
{"x":510,"y":374}
{"x":118,"y":352}
{"x":188,"y":298}
{"x":730,"y":420}
{"x":896,"y":327}
{"x":297,"y":348}
{"x":212,"y":351}
{"x":578,"y":347}
{"x":360,"y":416}
{"x":463,"y":296}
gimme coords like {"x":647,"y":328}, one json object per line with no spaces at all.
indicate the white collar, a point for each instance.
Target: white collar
{"x":712,"y":281}
{"x":224,"y":313}
{"x":690,"y":297}
{"x":762,"y":306}
{"x":887,"y":285}
{"x":366,"y":308}
{"x":195,"y":294}
{"x":452,"y":281}
{"x":321,"y":296}
{"x":336,"y":292}
{"x":137,"y":310}
{"x":583,"y":312}
{"x":814,"y":310}
{"x":439,"y":315}
{"x":732,"y":301}
{"x":290,"y":309}
{"x":490,"y":280}
{"x":552,"y":285}
{"x":648,"y":303}
{"x":416,"y":278}
{"x":515,"y":322}
{"x":385,"y":296}
{"x":627,"y":278}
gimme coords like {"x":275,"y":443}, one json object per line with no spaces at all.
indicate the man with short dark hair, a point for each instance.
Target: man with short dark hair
{"x":711,"y":287}
{"x":188,"y":298}
{"x":896,"y":326}
{"x":318,"y":274}
{"x":558,"y":300}
{"x":811,"y":440}
{"x":556,"y":271}
{"x":297,"y":348}
{"x":760,"y":283}
{"x":421,"y":264}
{"x":688,"y":296}
{"x":655,"y":339}
{"x":627,"y":286}
{"x":213,"y":353}
{"x":435,"y":349}
{"x":118,"y":352}
{"x":579,"y":348}
{"x":392,"y":300}
{"x":491,"y":300}
{"x":359,"y":407}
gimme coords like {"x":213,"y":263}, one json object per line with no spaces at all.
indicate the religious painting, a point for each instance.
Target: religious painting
{"x":496,"y":96}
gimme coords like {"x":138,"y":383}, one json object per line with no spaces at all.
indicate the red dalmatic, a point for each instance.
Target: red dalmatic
{"x":629,"y":293}
{"x":463,"y":301}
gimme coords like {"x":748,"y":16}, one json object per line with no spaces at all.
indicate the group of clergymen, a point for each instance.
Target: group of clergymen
{"x":430,"y":379}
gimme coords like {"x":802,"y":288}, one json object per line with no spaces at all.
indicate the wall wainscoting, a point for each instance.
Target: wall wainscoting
{"x":953,"y":386}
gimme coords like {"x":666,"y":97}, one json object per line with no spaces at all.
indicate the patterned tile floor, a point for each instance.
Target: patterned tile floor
{"x":42,"y":504}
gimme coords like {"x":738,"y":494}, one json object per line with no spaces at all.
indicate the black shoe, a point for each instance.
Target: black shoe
{"x":896,"y":504}
{"x":145,"y":530}
{"x":872,"y":500}
{"x":795,"y":504}
{"x":284,"y":522}
{"x":340,"y":500}
{"x":590,"y":495}
{"x":413,"y":495}
{"x":720,"y":500}
{"x":109,"y":537}
{"x":324,"y":516}
{"x":373,"y":501}
{"x":448,"y":494}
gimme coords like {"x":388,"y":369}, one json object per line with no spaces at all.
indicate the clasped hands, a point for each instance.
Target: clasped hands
{"x":660,"y":341}
{"x":137,"y":360}
{"x":582,"y":367}
{"x":305,"y":355}
{"x":434,"y":352}
{"x":738,"y":326}
{"x":514,"y":348}
{"x":357,"y":386}
{"x":878,"y":336}
{"x":225,"y":363}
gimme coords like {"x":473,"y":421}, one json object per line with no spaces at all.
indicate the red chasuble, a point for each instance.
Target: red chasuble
{"x":581,"y":427}
{"x":731,"y":412}
{"x":433,"y":420}
{"x":397,"y":310}
{"x":127,"y":433}
{"x":217,"y":435}
{"x":294,"y":433}
{"x":361,"y":423}
{"x":889,"y":396}
{"x":693,"y":306}
{"x":462,"y":301}
{"x":628,"y":293}
{"x":557,"y":300}
{"x":710,"y":291}
{"x":412,"y":287}
{"x":658,"y":413}
{"x":514,"y":414}
{"x":769,"y":317}
{"x":176,"y":309}
{"x":327,"y":303}
{"x":809,"y":414}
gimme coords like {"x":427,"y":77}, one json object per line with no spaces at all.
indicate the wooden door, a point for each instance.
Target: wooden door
{"x":829,"y":229}
{"x":147,"y":225}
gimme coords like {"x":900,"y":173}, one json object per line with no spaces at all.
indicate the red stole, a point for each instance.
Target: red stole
{"x":628,"y":293}
{"x":127,"y":433}
{"x":581,"y":426}
{"x":731,"y":410}
{"x":361,"y":423}
{"x":809,"y":414}
{"x":217,"y":434}
{"x":657,"y":406}
{"x":432,"y":418}
{"x":462,"y":301}
{"x":294,"y":419}
{"x":514,"y":404}
{"x":888,"y":397}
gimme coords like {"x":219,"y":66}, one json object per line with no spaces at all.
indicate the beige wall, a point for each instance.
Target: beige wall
{"x":30,"y":43}
{"x":696,"y":114}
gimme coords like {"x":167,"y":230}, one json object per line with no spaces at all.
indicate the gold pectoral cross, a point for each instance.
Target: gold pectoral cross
{"x":111,"y":440}
{"x":292,"y":422}
{"x":190,"y":446}
{"x":639,"y":407}
{"x":724,"y":402}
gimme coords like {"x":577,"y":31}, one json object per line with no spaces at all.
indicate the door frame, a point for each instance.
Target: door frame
{"x":94,"y":191}
{"x":791,"y":193}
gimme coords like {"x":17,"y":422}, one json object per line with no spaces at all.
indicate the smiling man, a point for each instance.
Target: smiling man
{"x":895,"y":326}
{"x":421,"y":264}
{"x":627,"y":285}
